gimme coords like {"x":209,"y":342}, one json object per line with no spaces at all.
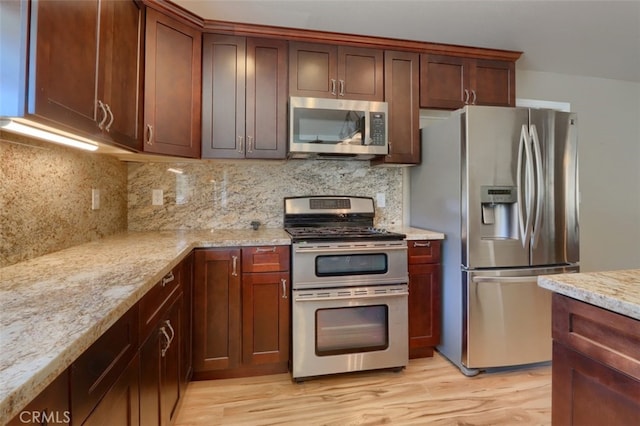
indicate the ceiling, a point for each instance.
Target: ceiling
{"x":578,"y":37}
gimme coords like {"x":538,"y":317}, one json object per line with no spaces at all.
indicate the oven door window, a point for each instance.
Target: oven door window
{"x":351,"y":264}
{"x":352,"y":330}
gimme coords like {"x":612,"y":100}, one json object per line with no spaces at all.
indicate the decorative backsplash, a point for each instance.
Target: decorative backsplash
{"x":231,"y":194}
{"x":45,"y":197}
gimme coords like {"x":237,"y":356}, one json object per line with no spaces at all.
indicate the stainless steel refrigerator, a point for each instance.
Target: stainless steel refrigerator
{"x":502,"y":184}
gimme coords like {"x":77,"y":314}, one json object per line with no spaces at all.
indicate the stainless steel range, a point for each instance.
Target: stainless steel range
{"x":349,"y":285}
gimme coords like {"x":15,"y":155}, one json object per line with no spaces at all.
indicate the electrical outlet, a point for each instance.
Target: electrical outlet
{"x":157,"y":198}
{"x":95,"y":199}
{"x":380,"y":199}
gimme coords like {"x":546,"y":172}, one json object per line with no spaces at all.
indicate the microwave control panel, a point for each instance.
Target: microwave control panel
{"x":378,"y":128}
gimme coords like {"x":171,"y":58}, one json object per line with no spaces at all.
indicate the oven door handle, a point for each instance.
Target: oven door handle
{"x":366,"y":296}
{"x":350,"y":249}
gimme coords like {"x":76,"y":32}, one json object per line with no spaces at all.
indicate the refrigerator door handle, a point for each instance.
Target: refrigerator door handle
{"x":540,"y":189}
{"x":524,"y":206}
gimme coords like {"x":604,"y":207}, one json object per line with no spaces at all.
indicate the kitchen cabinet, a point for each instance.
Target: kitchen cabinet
{"x":401,"y":91}
{"x":450,"y":82}
{"x":94,"y":375}
{"x":596,"y":365}
{"x":424,"y":297}
{"x":330,"y":71}
{"x":172,"y":105}
{"x":241,"y":311}
{"x":160,"y":367}
{"x":51,"y":406}
{"x":244,"y":97}
{"x":86,"y":76}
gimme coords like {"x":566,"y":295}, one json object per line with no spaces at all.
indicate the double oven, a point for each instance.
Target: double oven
{"x":349,"y":288}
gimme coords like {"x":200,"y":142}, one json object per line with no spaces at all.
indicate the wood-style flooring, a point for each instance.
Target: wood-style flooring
{"x":430,"y":391}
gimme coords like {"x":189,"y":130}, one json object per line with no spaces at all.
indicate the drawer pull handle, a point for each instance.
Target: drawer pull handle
{"x":168,"y":278}
{"x":173,"y":333}
{"x":266,"y":250}
{"x":426,"y":244}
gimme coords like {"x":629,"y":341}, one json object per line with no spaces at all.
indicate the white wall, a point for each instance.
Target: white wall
{"x":609,"y":149}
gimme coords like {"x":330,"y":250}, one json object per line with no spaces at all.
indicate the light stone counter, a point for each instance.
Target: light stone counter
{"x":417,"y":233}
{"x":52,"y":308}
{"x":617,"y":291}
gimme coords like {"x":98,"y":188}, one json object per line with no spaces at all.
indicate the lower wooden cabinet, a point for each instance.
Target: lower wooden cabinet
{"x":51,"y":406}
{"x":241,"y":319}
{"x":596,"y":365}
{"x":160,"y":369}
{"x":424,"y":297}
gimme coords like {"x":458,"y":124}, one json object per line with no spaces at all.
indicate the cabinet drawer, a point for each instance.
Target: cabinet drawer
{"x":152,"y":304}
{"x":602,"y":335}
{"x":265,"y":259}
{"x":97,"y":369}
{"x":423,"y":251}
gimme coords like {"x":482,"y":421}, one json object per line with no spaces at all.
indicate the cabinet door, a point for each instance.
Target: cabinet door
{"x":223,"y":96}
{"x":187,"y":321}
{"x":150,"y":383}
{"x":360,"y":73}
{"x":587,"y":392}
{"x":119,"y":71}
{"x":172,"y":87}
{"x":493,"y":83}
{"x":424,"y":309}
{"x":401,"y":92}
{"x":65,"y":63}
{"x":170,"y":354}
{"x":312,"y":70}
{"x":216,"y":310}
{"x":443,"y":80}
{"x":120,"y":404}
{"x":266,"y":102}
{"x":265,"y":318}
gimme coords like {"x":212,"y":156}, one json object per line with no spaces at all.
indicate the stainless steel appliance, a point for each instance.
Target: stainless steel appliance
{"x":349,"y":288}
{"x":502,"y":184}
{"x":337,"y":128}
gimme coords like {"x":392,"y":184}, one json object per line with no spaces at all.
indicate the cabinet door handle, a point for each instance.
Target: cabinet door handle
{"x":341,"y":88}
{"x":333,"y":86}
{"x":249,"y":143}
{"x":234,"y":262}
{"x":173,"y":332}
{"x":425,"y":244}
{"x":108,"y":126}
{"x":166,"y":343}
{"x":149,"y":140}
{"x":284,"y":288}
{"x":474,"y":97}
{"x":240,"y":148}
{"x":266,"y":250}
{"x":168,"y":278}
{"x":466,"y":96}
{"x":104,"y":114}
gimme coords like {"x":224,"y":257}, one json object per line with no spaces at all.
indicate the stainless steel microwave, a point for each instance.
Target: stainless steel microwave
{"x":337,"y":128}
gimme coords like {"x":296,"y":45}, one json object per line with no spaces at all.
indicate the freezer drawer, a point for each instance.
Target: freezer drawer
{"x":508,"y":318}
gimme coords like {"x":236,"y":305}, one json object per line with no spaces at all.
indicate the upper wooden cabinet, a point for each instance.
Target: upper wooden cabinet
{"x":172,"y":87}
{"x":450,"y":82}
{"x":329,"y":71}
{"x":101,"y":100}
{"x":401,"y":91}
{"x":244,"y":97}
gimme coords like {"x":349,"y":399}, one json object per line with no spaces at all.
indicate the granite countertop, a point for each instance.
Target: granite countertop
{"x":617,"y":291}
{"x":52,"y":308}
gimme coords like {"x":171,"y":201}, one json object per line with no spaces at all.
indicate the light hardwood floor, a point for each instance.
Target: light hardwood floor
{"x":430,"y":391}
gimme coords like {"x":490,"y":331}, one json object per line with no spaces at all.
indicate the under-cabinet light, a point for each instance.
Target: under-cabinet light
{"x":11,"y":125}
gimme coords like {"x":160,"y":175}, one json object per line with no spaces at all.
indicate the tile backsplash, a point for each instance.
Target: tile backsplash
{"x":231,"y":194}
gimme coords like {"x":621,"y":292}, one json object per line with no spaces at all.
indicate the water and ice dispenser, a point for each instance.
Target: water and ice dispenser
{"x":499,"y":212}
